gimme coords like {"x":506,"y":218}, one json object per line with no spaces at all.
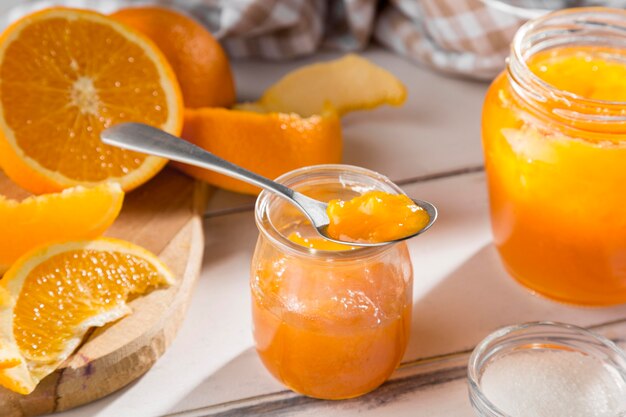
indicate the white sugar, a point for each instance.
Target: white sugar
{"x":553,"y":383}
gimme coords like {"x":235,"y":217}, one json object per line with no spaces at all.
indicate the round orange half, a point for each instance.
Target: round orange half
{"x":65,"y":75}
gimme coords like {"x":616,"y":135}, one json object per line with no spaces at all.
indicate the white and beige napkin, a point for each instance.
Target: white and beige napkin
{"x":466,"y":37}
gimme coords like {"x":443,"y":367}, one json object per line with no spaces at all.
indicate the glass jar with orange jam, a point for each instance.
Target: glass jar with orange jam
{"x":330,"y":321}
{"x":554,"y":137}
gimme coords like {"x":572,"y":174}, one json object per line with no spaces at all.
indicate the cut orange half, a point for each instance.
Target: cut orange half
{"x":53,"y":295}
{"x":65,"y":75}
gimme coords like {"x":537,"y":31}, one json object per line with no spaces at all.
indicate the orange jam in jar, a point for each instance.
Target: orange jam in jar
{"x":330,"y":321}
{"x":554,"y":137}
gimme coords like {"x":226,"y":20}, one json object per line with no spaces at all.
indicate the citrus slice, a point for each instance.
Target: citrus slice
{"x":350,"y":83}
{"x":54,"y":294}
{"x":200,"y":63}
{"x":268,"y":144}
{"x":65,"y":75}
{"x":76,"y":213}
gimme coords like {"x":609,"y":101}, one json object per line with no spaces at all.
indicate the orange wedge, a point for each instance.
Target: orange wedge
{"x":76,"y":213}
{"x":268,"y":144}
{"x":53,"y":295}
{"x":65,"y":75}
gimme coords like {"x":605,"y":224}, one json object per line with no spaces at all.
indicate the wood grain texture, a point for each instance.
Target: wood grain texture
{"x":410,"y":383}
{"x":165,"y":217}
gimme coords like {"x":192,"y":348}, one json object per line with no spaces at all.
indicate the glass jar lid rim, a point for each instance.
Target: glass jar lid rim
{"x":280,"y":240}
{"x":580,"y":16}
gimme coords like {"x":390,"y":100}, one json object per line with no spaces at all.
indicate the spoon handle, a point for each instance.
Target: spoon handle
{"x":147,"y":139}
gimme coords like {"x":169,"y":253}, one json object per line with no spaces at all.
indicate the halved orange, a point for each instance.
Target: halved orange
{"x":75,"y":213}
{"x":65,"y":75}
{"x":54,"y":294}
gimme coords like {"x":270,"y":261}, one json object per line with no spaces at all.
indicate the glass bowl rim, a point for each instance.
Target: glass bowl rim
{"x":474,"y":365}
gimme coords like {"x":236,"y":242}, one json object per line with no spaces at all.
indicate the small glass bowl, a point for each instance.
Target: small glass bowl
{"x":536,"y":335}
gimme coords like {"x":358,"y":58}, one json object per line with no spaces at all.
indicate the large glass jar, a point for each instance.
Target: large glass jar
{"x":556,"y":157}
{"x":331,"y":322}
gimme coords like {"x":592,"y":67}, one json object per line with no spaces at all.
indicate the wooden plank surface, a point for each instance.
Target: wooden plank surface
{"x":165,"y":217}
{"x":461,"y":294}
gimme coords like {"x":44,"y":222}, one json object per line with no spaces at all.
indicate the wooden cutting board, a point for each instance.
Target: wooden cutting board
{"x":165,"y":217}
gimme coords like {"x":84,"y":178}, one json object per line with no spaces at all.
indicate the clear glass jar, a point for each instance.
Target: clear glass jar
{"x":538,"y":338}
{"x":335,"y":323}
{"x":556,"y":163}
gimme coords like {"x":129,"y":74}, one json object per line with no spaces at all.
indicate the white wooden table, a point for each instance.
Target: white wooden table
{"x":432,"y":148}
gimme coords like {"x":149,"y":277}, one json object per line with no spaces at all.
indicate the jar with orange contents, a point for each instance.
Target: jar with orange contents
{"x":554,"y":137}
{"x":330,"y":321}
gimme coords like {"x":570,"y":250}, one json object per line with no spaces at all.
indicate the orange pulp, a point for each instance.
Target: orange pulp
{"x":375,"y":216}
{"x":556,"y":189}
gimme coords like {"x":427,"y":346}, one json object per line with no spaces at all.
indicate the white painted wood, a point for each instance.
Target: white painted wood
{"x":438,"y":128}
{"x":461,"y":294}
{"x":426,"y":388}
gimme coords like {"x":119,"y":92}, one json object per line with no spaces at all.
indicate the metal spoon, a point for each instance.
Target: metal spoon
{"x":147,"y":139}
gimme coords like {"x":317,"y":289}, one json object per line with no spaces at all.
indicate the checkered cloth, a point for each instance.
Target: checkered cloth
{"x":457,"y":36}
{"x":466,"y":37}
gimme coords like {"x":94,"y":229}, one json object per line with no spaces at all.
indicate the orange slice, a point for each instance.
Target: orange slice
{"x":268,"y":144}
{"x":67,"y":74}
{"x":76,"y":213}
{"x":53,"y":295}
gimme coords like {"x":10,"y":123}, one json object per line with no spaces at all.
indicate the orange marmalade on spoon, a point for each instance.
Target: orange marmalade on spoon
{"x":374,"y":217}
